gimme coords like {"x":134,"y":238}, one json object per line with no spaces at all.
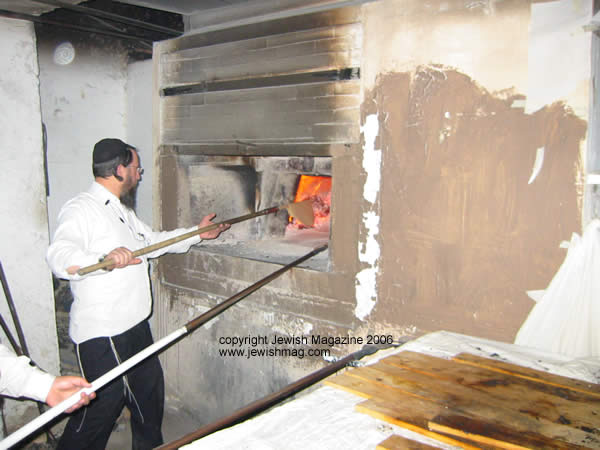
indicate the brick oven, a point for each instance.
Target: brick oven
{"x":433,"y":225}
{"x":245,"y":116}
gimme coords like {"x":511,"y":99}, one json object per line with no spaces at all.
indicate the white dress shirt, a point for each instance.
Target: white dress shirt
{"x":19,"y":379}
{"x":89,"y":227}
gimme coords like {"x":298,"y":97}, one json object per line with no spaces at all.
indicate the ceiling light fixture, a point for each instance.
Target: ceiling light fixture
{"x":64,"y":54}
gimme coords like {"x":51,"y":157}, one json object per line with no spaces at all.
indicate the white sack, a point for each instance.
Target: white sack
{"x":566,"y":319}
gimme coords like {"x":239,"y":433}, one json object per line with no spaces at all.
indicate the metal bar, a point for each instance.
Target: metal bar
{"x":30,"y":18}
{"x":111,"y":16}
{"x":54,"y":412}
{"x":266,"y":402}
{"x":10,"y":337}
{"x":13,"y":313}
{"x":106,"y":23}
{"x":22,"y":350}
{"x":208,"y":315}
{"x":322,"y":76}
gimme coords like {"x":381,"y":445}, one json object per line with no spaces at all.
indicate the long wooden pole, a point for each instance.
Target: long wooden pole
{"x":54,"y":412}
{"x":181,"y":237}
{"x":303,"y":210}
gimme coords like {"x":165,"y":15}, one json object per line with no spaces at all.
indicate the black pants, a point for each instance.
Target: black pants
{"x":141,"y":389}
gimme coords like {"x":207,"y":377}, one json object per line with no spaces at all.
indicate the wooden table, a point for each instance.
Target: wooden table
{"x":474,"y":402}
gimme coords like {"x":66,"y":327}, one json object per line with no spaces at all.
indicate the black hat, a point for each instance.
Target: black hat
{"x":108,"y":149}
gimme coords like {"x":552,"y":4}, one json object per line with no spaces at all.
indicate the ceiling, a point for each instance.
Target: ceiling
{"x":183,"y":7}
{"x":141,"y":21}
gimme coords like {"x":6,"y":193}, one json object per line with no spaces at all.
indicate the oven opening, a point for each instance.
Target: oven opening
{"x":238,"y":186}
{"x":317,"y":189}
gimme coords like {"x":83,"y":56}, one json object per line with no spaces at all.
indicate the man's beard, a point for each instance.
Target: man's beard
{"x":129,"y":198}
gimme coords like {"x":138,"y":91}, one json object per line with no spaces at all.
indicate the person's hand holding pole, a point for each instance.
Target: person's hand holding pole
{"x":65,"y":386}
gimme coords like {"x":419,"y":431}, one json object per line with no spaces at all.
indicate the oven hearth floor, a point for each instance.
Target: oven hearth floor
{"x":278,"y":250}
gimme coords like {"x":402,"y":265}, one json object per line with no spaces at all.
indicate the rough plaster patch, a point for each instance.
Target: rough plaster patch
{"x":366,"y":292}
{"x":269,"y":318}
{"x":369,"y":251}
{"x":292,"y":327}
{"x":371,"y":158}
{"x":308,"y":327}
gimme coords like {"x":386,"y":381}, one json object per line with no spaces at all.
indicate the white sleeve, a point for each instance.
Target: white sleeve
{"x":69,"y":245}
{"x":19,"y":379}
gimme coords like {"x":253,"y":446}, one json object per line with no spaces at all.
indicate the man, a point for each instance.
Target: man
{"x":108,"y":316}
{"x":19,"y":379}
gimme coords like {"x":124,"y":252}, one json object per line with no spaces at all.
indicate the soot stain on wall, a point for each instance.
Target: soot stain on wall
{"x":464,"y":235}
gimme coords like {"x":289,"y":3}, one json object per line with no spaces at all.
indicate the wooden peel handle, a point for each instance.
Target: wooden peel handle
{"x":142,"y":251}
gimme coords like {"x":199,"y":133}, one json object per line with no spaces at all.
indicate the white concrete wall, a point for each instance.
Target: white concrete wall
{"x":93,"y":97}
{"x":24,"y":224}
{"x":96,"y":96}
{"x":82,"y":102}
{"x":139,"y":130}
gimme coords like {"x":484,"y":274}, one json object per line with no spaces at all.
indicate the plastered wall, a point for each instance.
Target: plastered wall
{"x":79,"y":103}
{"x":481,"y":157}
{"x":82,"y":102}
{"x":24,"y":224}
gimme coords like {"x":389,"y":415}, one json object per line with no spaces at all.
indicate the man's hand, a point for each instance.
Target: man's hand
{"x":72,"y":270}
{"x":212,"y":234}
{"x":122,"y":257}
{"x":64,"y":387}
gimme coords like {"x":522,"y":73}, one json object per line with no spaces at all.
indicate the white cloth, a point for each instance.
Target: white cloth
{"x":89,"y":227}
{"x":19,"y":379}
{"x":566,"y":319}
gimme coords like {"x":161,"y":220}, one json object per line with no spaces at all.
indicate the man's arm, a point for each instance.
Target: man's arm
{"x":20,"y":379}
{"x":68,"y":250}
{"x":121,"y":256}
{"x":153,"y":237}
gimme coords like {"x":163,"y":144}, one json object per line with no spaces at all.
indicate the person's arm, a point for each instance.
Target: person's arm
{"x":153,"y":237}
{"x":20,"y":379}
{"x":68,"y":250}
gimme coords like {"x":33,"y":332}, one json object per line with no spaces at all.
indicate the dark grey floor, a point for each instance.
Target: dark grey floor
{"x":175,"y":425}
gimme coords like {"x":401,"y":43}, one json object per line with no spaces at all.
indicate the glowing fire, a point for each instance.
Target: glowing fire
{"x":317,"y":189}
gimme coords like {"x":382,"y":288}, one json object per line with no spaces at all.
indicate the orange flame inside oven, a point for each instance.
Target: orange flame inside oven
{"x":317,"y":189}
